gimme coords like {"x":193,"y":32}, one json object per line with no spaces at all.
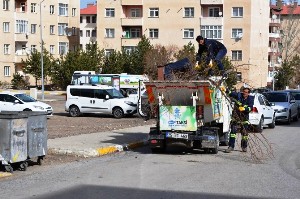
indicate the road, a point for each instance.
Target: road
{"x":141,"y":174}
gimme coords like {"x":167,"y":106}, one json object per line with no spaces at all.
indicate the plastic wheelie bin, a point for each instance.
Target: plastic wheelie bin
{"x":13,"y":139}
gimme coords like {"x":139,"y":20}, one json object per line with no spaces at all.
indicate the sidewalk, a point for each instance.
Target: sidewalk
{"x":98,"y":144}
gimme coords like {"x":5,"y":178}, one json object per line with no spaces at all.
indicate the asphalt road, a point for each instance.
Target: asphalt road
{"x":175,"y":174}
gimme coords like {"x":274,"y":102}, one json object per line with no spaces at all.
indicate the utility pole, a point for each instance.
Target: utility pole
{"x":42,"y":45}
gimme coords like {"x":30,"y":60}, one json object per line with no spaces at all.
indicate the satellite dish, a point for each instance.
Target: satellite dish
{"x":123,"y":34}
{"x":240,"y":35}
{"x":69,"y":34}
{"x":274,"y":16}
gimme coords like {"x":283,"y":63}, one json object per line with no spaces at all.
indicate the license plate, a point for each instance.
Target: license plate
{"x":177,"y":135}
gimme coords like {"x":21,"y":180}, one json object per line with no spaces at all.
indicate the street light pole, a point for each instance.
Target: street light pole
{"x":273,"y":82}
{"x":42,"y":44}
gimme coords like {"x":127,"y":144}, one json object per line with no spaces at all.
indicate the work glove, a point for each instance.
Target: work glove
{"x":197,"y":66}
{"x":241,"y":108}
{"x":223,"y":89}
{"x":210,"y":63}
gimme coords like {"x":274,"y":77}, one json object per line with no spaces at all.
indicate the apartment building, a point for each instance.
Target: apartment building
{"x":88,"y":25}
{"x":241,"y":25}
{"x":21,"y":31}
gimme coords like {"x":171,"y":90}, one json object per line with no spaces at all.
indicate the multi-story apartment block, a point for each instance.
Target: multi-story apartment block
{"x":241,"y":25}
{"x":21,"y":31}
{"x":88,"y":25}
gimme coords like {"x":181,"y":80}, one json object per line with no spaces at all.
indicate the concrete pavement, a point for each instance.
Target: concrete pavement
{"x":102,"y":143}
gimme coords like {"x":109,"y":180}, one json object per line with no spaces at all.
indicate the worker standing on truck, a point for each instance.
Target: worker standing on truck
{"x":215,"y":50}
{"x":240,"y":118}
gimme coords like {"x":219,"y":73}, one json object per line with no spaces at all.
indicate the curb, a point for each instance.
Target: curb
{"x":98,"y":151}
{"x":5,"y":174}
{"x":39,"y":92}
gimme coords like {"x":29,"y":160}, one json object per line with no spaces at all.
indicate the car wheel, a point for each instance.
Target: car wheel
{"x":259,"y":128}
{"x":74,"y":111}
{"x":272,"y":125}
{"x":289,"y":121}
{"x":118,"y":112}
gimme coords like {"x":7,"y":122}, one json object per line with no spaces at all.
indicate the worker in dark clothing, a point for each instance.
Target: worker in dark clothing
{"x":215,"y":50}
{"x":240,"y":118}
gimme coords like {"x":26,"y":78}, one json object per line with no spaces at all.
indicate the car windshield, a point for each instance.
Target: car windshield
{"x":115,"y":93}
{"x":276,"y":97}
{"x":25,"y":98}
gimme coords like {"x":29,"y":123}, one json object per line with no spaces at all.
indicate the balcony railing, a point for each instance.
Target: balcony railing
{"x":132,"y":21}
{"x":21,"y":36}
{"x":274,"y":35}
{"x":131,"y":2}
{"x":130,"y":41}
{"x":205,"y":21}
{"x":211,"y":2}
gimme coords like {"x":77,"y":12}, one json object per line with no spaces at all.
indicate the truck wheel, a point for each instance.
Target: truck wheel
{"x":118,"y":112}
{"x":74,"y":111}
{"x":8,"y":168}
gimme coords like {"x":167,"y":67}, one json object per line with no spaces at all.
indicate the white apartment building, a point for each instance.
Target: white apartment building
{"x":88,"y":25}
{"x":243,"y":26}
{"x":20,"y":31}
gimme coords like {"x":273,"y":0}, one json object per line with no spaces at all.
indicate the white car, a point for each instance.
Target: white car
{"x":98,"y":99}
{"x":17,"y":101}
{"x":263,"y":113}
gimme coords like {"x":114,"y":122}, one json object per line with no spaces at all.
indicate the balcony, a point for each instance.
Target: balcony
{"x":274,"y":35}
{"x":21,"y":37}
{"x":211,"y":2}
{"x":132,"y":21}
{"x":274,"y":22}
{"x":130,"y":41}
{"x":131,"y":2}
{"x":21,"y":54}
{"x":209,"y":21}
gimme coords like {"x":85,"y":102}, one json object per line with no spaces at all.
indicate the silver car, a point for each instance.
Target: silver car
{"x":285,"y":107}
{"x":296,"y":95}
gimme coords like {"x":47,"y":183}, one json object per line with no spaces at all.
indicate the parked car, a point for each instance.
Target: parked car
{"x":261,"y":90}
{"x":98,"y":99}
{"x":296,"y":95}
{"x":263,"y":113}
{"x":17,"y":101}
{"x":285,"y":107}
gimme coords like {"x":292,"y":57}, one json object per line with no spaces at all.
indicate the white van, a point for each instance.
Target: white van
{"x":98,"y":99}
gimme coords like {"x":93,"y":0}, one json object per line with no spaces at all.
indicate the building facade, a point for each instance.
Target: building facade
{"x":241,"y":25}
{"x":88,"y":25}
{"x":23,"y":21}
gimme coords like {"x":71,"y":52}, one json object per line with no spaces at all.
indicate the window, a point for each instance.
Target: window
{"x":239,"y":76}
{"x":153,"y":12}
{"x":63,"y":9}
{"x":109,"y":12}
{"x":73,"y":12}
{"x":5,"y":4}
{"x":236,"y":32}
{"x":94,"y":19}
{"x":62,"y":28}
{"x":88,"y":19}
{"x":6,"y":71}
{"x":6,"y":49}
{"x":213,"y":12}
{"x":135,"y":33}
{"x":33,"y":28}
{"x":188,"y":33}
{"x":88,"y":33}
{"x":63,"y":48}
{"x":129,"y":49}
{"x":109,"y":33}
{"x":51,"y":49}
{"x":211,"y":32}
{"x":33,"y":7}
{"x":108,"y":52}
{"x":51,"y":9}
{"x":21,"y":26}
{"x":153,"y":33}
{"x":237,"y":12}
{"x":33,"y":48}
{"x":23,"y":6}
{"x":5,"y":26}
{"x":51,"y":29}
{"x":94,"y":33}
{"x":188,"y":12}
{"x":135,"y":12}
{"x":237,"y":55}
{"x":81,"y":33}
{"x":74,"y":31}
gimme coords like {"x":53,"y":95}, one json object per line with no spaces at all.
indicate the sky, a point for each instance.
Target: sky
{"x":84,"y":2}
